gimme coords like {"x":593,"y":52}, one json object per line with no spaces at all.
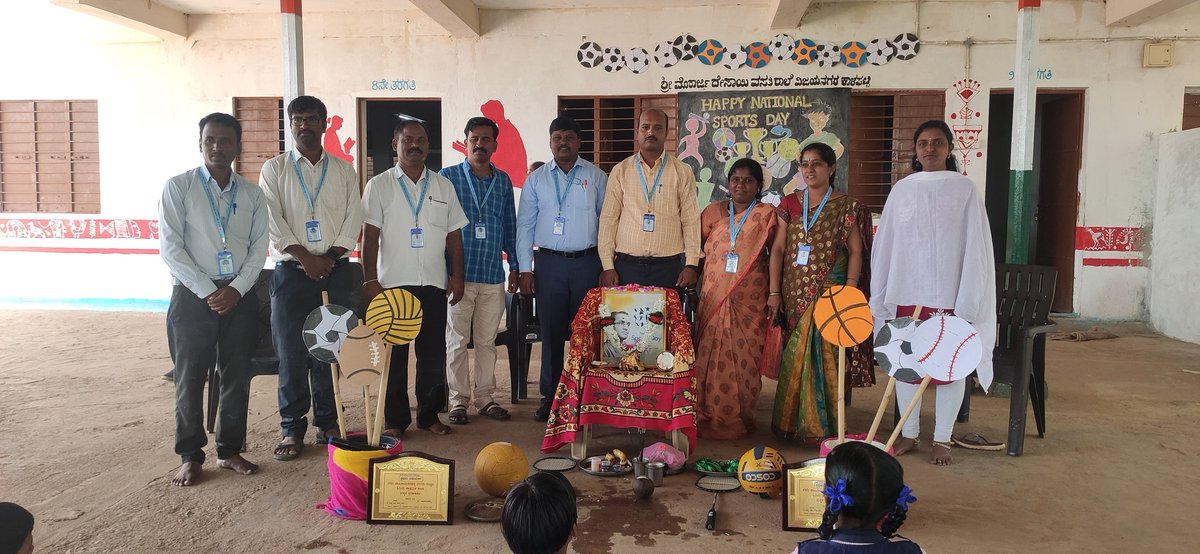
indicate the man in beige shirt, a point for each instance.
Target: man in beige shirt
{"x":649,"y":225}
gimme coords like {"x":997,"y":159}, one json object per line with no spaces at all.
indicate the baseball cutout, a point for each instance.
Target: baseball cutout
{"x":947,"y":347}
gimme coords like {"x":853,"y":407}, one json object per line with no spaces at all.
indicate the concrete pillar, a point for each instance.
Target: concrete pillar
{"x":1021,"y":202}
{"x":293,"y":55}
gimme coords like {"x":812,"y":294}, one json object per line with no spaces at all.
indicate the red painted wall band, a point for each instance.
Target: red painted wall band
{"x":1112,"y":262}
{"x":289,"y":6}
{"x":1022,"y":4}
{"x":73,"y":250}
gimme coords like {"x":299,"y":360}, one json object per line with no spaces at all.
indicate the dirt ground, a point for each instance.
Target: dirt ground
{"x":86,"y":427}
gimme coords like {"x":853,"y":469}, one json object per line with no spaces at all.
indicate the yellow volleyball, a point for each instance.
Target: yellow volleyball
{"x":395,"y":314}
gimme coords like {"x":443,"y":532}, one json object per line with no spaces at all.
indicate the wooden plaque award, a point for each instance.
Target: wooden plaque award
{"x":411,"y":488}
{"x":803,"y":499}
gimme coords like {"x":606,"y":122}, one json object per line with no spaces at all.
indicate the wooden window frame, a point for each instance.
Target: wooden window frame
{"x":609,"y":124}
{"x":259,"y":141}
{"x":1191,"y":109}
{"x":881,"y":128}
{"x":49,"y":156}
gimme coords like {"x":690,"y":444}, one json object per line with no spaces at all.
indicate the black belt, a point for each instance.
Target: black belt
{"x":222,"y":282}
{"x":575,"y":254}
{"x":646,"y":260}
{"x":297,"y":265}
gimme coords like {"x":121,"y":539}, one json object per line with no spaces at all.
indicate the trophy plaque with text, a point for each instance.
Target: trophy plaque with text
{"x":411,"y":488}
{"x":803,"y":500}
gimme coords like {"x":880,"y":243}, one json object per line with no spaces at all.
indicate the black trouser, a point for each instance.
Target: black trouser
{"x":648,"y":272}
{"x":561,"y":281}
{"x":430,"y":346}
{"x":201,"y":338}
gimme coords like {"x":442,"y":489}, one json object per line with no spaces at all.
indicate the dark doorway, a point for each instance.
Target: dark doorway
{"x":1058,"y":136}
{"x":376,"y":121}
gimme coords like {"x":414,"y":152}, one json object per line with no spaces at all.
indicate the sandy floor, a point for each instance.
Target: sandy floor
{"x":86,"y":423}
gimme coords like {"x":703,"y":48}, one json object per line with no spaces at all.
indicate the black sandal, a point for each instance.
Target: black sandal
{"x":458,"y":415}
{"x":495,"y":411}
{"x":286,"y":452}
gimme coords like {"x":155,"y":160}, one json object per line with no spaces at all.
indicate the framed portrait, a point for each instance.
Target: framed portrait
{"x":632,"y":321}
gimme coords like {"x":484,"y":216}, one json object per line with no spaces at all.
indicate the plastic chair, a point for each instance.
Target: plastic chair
{"x":522,"y":329}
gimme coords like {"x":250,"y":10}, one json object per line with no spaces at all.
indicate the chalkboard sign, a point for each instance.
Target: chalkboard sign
{"x":771,"y":126}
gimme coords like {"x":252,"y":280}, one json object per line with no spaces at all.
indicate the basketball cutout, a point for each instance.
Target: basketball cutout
{"x":894,"y":350}
{"x":362,"y":356}
{"x":324,"y":330}
{"x":947,"y":347}
{"x":499,"y":466}
{"x":396,"y":315}
{"x":760,"y":470}
{"x":843,"y":316}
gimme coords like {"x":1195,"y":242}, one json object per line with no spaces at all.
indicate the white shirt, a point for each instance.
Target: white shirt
{"x":386,"y":208}
{"x":189,"y":239}
{"x":338,"y":206}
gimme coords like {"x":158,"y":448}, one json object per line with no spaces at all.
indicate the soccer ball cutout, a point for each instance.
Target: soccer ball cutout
{"x":907,"y":46}
{"x":637,"y":59}
{"x":710,"y":52}
{"x":854,"y":53}
{"x":947,"y":347}
{"x":827,"y":54}
{"x":757,"y":55}
{"x":499,"y":466}
{"x":613,"y":60}
{"x":667,"y":54}
{"x":804,"y":52}
{"x":760,"y":470}
{"x":893,"y":350}
{"x":686,"y":43}
{"x":880,"y":51}
{"x":324,"y":330}
{"x":724,"y":154}
{"x":589,"y":54}
{"x":735,"y":57}
{"x":782,"y":46}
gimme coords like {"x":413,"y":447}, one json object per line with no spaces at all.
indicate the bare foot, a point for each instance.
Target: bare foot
{"x":940,"y":454}
{"x":438,"y":428}
{"x":188,"y":474}
{"x":905,"y":445}
{"x":238,"y":464}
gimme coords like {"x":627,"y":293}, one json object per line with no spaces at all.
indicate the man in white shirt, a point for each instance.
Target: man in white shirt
{"x":316,"y":216}
{"x":213,"y":238}
{"x":413,"y":222}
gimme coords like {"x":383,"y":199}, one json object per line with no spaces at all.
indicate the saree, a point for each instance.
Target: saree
{"x":806,"y":398}
{"x":731,"y":321}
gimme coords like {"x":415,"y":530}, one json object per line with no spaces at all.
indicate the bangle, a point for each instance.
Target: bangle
{"x":775,"y":294}
{"x":371,"y":281}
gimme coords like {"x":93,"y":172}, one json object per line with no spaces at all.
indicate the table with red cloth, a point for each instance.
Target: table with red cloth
{"x":651,"y":398}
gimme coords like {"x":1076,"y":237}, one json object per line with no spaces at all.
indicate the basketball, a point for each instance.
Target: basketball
{"x":363,"y":356}
{"x":761,"y":470}
{"x":396,"y":315}
{"x":843,"y":316}
{"x":324,"y":329}
{"x":499,"y":466}
{"x":947,"y":347}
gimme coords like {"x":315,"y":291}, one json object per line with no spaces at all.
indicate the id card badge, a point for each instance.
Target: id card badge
{"x":480,"y":231}
{"x":560,"y":226}
{"x":648,"y":223}
{"x":225,"y":263}
{"x":731,"y":263}
{"x":802,"y":254}
{"x":313,"y":229}
{"x":416,"y":238}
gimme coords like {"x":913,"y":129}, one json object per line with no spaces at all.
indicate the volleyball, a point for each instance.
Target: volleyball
{"x":499,"y":466}
{"x":324,"y":330}
{"x":760,"y":470}
{"x":947,"y":347}
{"x":843,"y":316}
{"x":396,"y":315}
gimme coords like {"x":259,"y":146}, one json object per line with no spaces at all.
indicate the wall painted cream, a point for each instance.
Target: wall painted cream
{"x":1175,"y":291}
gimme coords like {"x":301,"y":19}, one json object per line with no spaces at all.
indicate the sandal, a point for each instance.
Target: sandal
{"x":288,"y":451}
{"x":458,"y":415}
{"x":323,"y":435}
{"x":494,"y":411}
{"x":975,"y":441}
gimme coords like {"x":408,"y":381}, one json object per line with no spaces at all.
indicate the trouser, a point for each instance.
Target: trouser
{"x":201,"y":338}
{"x":561,"y":284}
{"x":949,"y":400}
{"x":647,"y":271}
{"x":475,"y":318}
{"x":302,"y":379}
{"x":430,"y":347}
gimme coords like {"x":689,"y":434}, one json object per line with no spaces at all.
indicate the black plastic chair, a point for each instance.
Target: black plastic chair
{"x":522,"y":329}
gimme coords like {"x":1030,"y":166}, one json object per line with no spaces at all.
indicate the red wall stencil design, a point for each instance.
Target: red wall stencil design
{"x":333,"y":143}
{"x":510,"y":148}
{"x":1111,"y":246}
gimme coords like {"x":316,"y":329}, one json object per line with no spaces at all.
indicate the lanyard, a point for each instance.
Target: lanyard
{"x":312,"y":199}
{"x":416,"y":209}
{"x":212,"y":203}
{"x":808,"y":224}
{"x":649,"y":191}
{"x":466,"y":168}
{"x":560,"y":194}
{"x":735,"y":229}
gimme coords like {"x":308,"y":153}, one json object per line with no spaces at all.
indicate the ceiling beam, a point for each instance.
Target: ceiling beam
{"x":146,"y":16}
{"x":786,"y":14}
{"x":459,"y":17}
{"x":1128,"y":13}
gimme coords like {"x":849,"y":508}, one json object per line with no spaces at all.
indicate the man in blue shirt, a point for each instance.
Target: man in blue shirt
{"x":560,"y":213}
{"x":486,"y":195}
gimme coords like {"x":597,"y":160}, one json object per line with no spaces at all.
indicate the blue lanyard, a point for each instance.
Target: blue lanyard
{"x":466,"y":168}
{"x":416,"y":209}
{"x":808,"y":224}
{"x":649,"y":191}
{"x":559,"y":193}
{"x":735,"y":229}
{"x":212,"y":203}
{"x":312,"y":199}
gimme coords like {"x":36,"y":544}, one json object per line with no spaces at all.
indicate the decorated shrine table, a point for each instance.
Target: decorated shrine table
{"x":627,"y":394}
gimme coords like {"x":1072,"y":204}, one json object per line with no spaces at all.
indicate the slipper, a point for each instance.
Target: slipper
{"x":975,"y":441}
{"x":286,"y":452}
{"x":323,"y":435}
{"x":438,"y":428}
{"x":458,"y":415}
{"x":494,"y":411}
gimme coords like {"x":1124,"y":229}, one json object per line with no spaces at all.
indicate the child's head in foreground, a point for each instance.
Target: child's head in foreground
{"x":539,"y":514}
{"x":864,"y":489}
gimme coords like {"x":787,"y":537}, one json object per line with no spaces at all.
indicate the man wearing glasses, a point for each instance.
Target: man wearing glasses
{"x":316,"y":215}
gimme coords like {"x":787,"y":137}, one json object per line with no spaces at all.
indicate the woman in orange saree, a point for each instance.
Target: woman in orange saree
{"x":733,"y":314}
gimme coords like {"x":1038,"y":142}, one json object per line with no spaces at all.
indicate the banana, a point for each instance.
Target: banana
{"x":620,"y":456}
{"x":608,"y":456}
